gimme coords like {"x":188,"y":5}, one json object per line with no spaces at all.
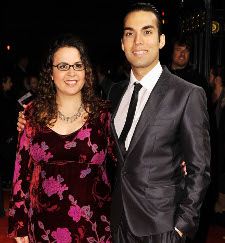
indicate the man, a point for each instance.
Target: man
{"x":180,"y":63}
{"x":152,"y":201}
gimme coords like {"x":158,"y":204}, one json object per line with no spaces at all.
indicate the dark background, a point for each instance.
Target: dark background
{"x":29,"y":27}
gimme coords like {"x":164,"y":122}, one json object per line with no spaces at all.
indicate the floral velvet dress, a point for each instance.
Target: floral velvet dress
{"x":61,"y":192}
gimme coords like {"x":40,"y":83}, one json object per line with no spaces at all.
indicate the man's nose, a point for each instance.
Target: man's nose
{"x":138,"y":39}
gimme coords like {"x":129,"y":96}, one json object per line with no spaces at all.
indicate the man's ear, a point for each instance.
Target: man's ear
{"x":162,"y":41}
{"x":122,"y":46}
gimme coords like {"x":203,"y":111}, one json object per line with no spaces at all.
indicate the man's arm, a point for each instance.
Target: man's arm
{"x":194,"y":131}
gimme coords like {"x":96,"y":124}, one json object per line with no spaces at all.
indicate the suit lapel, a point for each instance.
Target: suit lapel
{"x":117,"y":92}
{"x":151,"y":108}
{"x":119,"y":89}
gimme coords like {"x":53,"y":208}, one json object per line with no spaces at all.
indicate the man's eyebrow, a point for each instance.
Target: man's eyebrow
{"x":148,"y":27}
{"x":143,"y":28}
{"x":127,"y":28}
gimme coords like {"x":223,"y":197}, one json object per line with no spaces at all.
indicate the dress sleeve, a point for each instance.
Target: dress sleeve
{"x":111,"y":160}
{"x":110,"y":141}
{"x":18,"y":205}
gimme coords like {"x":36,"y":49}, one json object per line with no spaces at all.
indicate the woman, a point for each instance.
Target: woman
{"x":61,"y":192}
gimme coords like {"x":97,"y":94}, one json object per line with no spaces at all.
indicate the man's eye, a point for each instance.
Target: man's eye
{"x":128,"y":34}
{"x":148,"y":32}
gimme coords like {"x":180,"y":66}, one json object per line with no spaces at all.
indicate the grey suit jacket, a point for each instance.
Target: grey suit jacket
{"x":150,"y":186}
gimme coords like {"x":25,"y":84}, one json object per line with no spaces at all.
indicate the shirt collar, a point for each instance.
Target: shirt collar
{"x":150,"y":79}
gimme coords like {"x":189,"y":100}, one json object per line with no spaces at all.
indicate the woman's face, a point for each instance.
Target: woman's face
{"x":68,"y":82}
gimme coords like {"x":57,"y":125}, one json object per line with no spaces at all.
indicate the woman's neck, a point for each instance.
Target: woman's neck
{"x":68,"y":105}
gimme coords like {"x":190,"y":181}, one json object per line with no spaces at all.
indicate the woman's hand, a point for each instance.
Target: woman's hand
{"x":183,"y":168}
{"x":23,"y":239}
{"x":21,"y":120}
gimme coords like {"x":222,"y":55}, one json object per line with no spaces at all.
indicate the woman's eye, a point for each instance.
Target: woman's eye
{"x":62,"y":65}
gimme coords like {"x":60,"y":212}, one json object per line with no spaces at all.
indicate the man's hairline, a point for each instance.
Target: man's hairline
{"x":144,"y":10}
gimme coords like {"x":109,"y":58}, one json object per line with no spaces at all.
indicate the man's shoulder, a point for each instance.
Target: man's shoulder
{"x":177,"y":82}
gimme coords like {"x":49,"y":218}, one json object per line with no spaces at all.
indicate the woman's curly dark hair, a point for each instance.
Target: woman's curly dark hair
{"x":44,"y":107}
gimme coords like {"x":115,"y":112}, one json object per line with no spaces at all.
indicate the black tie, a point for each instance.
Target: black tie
{"x":130,"y":113}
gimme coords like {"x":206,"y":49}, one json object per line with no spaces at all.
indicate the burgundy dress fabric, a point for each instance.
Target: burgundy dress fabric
{"x":61,"y":192}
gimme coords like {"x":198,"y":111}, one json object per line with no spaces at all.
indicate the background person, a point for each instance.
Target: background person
{"x":181,"y":65}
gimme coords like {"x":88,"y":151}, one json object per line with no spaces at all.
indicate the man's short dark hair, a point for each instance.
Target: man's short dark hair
{"x":183,"y":41}
{"x":148,"y":7}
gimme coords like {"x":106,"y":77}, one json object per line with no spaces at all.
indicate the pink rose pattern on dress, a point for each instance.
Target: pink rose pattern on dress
{"x":69,"y":181}
{"x":38,"y":152}
{"x":69,"y":145}
{"x":75,"y":213}
{"x":17,"y":187}
{"x":105,"y":177}
{"x":19,"y":192}
{"x":17,"y":168}
{"x":86,"y":212}
{"x":84,"y":133}
{"x":85,"y":172}
{"x":98,"y":158}
{"x":25,"y":141}
{"x":62,"y":235}
{"x":52,"y":186}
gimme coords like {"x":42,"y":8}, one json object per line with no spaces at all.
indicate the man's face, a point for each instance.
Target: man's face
{"x":141,"y":41}
{"x":180,"y":57}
